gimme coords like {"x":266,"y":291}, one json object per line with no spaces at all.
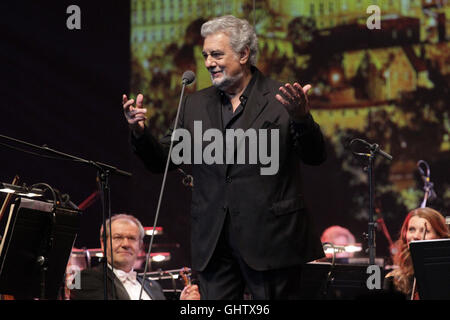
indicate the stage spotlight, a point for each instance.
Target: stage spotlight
{"x":149,"y":231}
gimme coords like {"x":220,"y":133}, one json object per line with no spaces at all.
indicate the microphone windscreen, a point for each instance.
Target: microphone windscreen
{"x":188,"y":77}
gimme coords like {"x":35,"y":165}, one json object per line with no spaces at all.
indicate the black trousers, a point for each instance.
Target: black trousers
{"x":228,"y":277}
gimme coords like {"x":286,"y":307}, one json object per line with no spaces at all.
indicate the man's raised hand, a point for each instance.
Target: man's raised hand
{"x":135,"y":115}
{"x":294,"y":99}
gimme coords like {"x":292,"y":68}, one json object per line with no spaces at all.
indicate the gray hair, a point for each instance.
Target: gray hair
{"x":123,"y":216}
{"x":241,"y":34}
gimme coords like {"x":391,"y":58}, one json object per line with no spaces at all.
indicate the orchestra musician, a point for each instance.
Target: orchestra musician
{"x":420,"y":224}
{"x":126,"y":236}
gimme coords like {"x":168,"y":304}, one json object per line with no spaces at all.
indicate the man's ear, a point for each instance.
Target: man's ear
{"x":245,"y":55}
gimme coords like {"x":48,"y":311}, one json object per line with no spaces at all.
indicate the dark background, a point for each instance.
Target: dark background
{"x":63,"y":88}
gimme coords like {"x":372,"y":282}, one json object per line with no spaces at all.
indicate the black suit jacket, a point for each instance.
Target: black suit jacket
{"x":92,"y":287}
{"x":269,"y":221}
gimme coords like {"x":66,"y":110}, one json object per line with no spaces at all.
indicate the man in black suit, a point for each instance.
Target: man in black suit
{"x":123,"y":282}
{"x":249,"y":225}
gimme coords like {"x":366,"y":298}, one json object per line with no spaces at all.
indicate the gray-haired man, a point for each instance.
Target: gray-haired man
{"x":126,"y":237}
{"x":248,"y":229}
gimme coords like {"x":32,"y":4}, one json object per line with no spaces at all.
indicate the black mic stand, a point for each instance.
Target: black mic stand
{"x":103,"y":173}
{"x":103,"y":183}
{"x":46,"y":246}
{"x":427,"y":184}
{"x":329,"y":279}
{"x":374,"y":150}
{"x":187,"y":78}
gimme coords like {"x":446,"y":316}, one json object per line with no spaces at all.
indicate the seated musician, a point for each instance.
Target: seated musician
{"x":338,"y":236}
{"x":127,"y":236}
{"x":419,"y":224}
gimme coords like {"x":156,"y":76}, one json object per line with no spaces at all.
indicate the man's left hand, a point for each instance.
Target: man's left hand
{"x":294,"y":99}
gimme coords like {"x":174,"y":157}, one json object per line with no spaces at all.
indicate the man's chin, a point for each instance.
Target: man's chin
{"x":226,"y":81}
{"x":123,"y":257}
{"x":221,"y":84}
{"x":216,"y":81}
{"x":123,"y":263}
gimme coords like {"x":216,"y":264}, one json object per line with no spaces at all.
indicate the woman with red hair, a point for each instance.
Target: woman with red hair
{"x":419,"y":224}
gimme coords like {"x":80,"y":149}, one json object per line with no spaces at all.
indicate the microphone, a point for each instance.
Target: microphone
{"x":188,"y":77}
{"x":375,"y":148}
{"x":422,"y":173}
{"x":428,"y":187}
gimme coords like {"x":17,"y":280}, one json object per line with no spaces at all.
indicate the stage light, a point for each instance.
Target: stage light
{"x":149,"y":231}
{"x":160,"y":256}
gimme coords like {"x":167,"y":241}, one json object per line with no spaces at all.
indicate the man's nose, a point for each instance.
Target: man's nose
{"x":125,"y":242}
{"x":210,"y":62}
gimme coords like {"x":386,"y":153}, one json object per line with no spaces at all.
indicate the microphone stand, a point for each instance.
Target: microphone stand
{"x":374,"y":150}
{"x":103,"y":173}
{"x":187,"y":79}
{"x":427,"y":184}
{"x":42,"y":259}
{"x":329,"y":279}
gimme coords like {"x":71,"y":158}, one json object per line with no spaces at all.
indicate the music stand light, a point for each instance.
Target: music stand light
{"x":21,"y":190}
{"x":349,"y":248}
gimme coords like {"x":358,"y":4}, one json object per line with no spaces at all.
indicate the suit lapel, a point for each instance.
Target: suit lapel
{"x":256,"y":102}
{"x":120,"y":291}
{"x":255,"y":105}
{"x":122,"y":294}
{"x":148,"y":288}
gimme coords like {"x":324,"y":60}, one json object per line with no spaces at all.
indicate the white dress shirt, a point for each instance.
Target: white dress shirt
{"x":131,"y":284}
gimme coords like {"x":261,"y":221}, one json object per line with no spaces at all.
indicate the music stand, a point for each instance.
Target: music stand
{"x":35,"y":248}
{"x":431,"y":260}
{"x":347,"y":281}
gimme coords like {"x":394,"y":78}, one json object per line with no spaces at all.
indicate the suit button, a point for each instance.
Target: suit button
{"x":228,"y":180}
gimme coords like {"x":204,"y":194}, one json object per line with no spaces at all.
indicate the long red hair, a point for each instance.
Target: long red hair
{"x":404,"y":275}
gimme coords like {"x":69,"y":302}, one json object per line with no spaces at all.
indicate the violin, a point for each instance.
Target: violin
{"x":186,"y":275}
